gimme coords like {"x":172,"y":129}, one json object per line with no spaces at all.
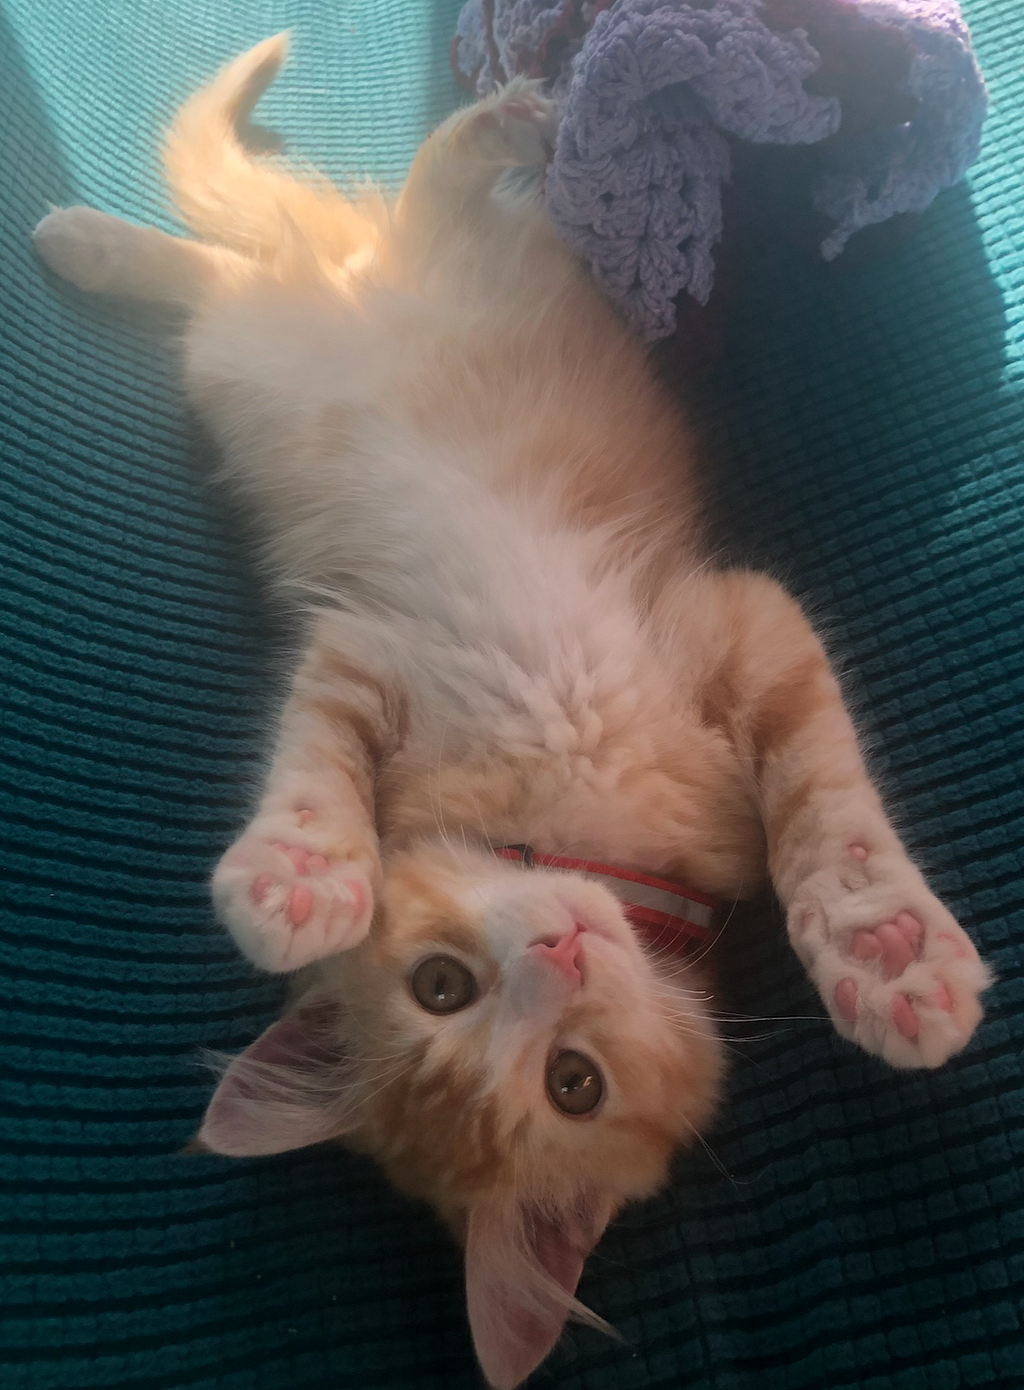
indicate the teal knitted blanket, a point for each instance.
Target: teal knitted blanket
{"x":848,"y":1226}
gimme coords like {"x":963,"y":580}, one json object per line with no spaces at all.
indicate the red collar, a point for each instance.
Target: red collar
{"x":669,"y":916}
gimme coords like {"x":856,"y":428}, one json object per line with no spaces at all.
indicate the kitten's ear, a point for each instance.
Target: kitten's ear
{"x":293,"y":1086}
{"x":522,"y":1268}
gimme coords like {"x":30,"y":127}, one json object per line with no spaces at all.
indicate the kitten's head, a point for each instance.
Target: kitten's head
{"x":507,"y":1050}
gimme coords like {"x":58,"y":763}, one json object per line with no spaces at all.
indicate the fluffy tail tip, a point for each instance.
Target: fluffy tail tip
{"x":254,"y":70}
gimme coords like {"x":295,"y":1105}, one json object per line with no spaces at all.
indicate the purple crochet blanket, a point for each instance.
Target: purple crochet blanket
{"x":654,"y":91}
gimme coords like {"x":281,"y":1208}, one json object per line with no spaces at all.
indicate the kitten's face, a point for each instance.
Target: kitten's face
{"x":542,"y":1050}
{"x":507,"y":1050}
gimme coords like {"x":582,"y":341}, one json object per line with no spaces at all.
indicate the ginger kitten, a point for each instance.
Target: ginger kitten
{"x":513,"y":637}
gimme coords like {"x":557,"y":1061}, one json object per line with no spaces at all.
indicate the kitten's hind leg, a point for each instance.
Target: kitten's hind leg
{"x":896,"y":971}
{"x":298,"y":884}
{"x":106,"y":255}
{"x":457,"y":166}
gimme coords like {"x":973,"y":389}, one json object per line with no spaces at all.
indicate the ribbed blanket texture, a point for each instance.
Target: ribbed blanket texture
{"x":848,"y":1227}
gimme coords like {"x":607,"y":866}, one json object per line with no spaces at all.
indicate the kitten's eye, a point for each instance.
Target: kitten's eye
{"x":443,"y":985}
{"x":574,"y":1083}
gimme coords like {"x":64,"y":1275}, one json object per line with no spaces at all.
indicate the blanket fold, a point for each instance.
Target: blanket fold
{"x":654,"y":93}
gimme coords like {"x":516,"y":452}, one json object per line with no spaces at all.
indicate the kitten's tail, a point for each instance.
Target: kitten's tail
{"x":230,"y":198}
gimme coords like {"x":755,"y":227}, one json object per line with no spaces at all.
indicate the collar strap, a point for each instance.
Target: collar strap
{"x":668,"y":915}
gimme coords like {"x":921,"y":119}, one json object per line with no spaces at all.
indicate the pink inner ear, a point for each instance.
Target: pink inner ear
{"x":300,"y":1040}
{"x":515,"y":1315}
{"x":286,"y":1090}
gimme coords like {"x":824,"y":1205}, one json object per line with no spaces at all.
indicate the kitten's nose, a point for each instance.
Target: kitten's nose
{"x":563,"y":953}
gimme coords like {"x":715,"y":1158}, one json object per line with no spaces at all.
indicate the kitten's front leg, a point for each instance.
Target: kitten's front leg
{"x":896,"y":971}
{"x":299,"y":883}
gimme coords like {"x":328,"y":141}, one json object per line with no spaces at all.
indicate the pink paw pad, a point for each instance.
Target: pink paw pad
{"x":305,"y":815}
{"x":897,"y":951}
{"x":942,"y":999}
{"x":866,"y":945}
{"x":300,"y":899}
{"x":858,"y":852}
{"x":894,"y":944}
{"x":904,"y":1017}
{"x":911,"y":928}
{"x":300,"y":905}
{"x":846,"y":997}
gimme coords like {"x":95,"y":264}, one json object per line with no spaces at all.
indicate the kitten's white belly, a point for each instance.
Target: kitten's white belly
{"x":304,"y":401}
{"x":495,"y":614}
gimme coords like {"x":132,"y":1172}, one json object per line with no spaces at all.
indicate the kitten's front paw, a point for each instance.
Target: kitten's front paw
{"x":288,"y":897}
{"x":897,"y":972}
{"x":83,"y":246}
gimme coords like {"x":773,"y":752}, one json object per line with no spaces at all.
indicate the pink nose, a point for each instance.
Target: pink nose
{"x":564,"y":953}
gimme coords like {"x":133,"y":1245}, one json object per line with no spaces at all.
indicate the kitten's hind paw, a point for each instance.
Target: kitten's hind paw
{"x":84,"y":246}
{"x":515,"y":127}
{"x":897,"y":972}
{"x":288,"y":897}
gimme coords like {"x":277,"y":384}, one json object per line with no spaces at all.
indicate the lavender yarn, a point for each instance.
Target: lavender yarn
{"x":650,"y":94}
